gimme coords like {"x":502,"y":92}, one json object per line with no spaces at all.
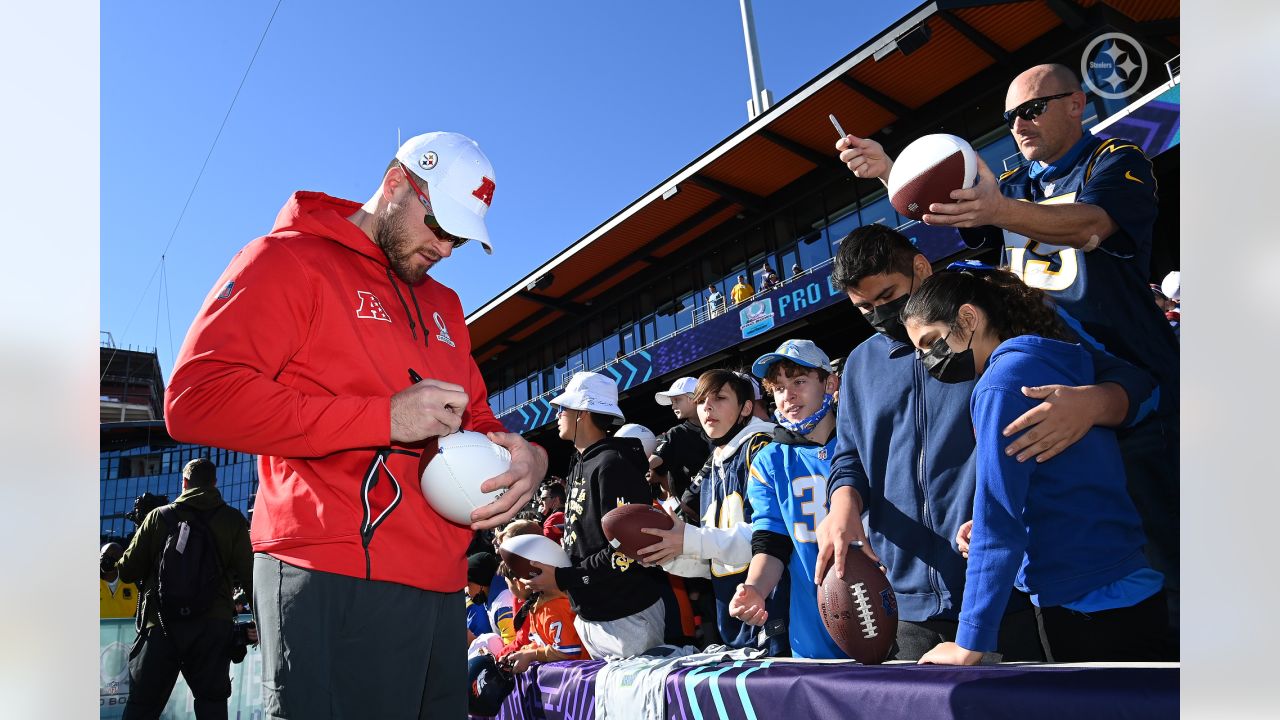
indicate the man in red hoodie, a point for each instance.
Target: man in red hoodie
{"x":310,"y":351}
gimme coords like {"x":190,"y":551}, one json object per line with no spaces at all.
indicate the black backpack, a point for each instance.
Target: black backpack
{"x":190,"y":573}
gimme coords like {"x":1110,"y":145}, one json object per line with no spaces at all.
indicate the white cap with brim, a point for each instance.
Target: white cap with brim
{"x":592,"y":392}
{"x":682,"y":386}
{"x":459,"y":178}
{"x":800,"y":352}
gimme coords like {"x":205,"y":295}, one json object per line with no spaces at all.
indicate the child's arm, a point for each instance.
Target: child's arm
{"x":748,"y":603}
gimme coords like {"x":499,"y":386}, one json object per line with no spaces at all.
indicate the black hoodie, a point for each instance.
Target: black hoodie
{"x":604,"y":584}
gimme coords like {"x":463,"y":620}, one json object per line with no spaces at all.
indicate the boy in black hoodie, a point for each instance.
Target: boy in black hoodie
{"x":618,"y":603}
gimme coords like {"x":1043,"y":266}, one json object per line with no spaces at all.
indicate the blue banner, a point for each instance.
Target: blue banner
{"x":1155,"y":126}
{"x":790,"y":301}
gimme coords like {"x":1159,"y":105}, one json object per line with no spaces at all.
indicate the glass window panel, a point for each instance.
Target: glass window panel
{"x":611,"y":347}
{"x":814,"y":249}
{"x":665,"y":325}
{"x":685,"y":305}
{"x":994,"y":153}
{"x":880,"y":211}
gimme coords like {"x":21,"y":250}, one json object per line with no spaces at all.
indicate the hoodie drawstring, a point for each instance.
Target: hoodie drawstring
{"x":426,"y":335}
{"x":412,"y":326}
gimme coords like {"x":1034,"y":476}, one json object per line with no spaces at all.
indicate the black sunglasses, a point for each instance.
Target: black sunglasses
{"x":1032,"y":109}
{"x":430,"y":220}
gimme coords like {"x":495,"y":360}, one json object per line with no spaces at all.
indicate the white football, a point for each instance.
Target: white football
{"x":927,"y":170}
{"x":491,"y":642}
{"x":641,"y":433}
{"x":518,"y":550}
{"x":463,"y":461}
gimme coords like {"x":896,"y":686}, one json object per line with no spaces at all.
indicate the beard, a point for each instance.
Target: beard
{"x":392,"y":237}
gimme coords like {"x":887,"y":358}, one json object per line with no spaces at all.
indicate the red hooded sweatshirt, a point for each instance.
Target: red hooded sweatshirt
{"x":294,"y":356}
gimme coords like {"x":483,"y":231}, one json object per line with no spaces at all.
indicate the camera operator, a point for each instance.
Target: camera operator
{"x":191,"y":554}
{"x":142,"y":506}
{"x":116,"y":599}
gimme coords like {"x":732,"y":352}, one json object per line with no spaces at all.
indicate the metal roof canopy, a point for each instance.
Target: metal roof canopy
{"x":867,"y":92}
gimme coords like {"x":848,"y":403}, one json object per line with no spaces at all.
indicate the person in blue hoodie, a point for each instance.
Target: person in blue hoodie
{"x":905,"y":446}
{"x":1064,"y":531}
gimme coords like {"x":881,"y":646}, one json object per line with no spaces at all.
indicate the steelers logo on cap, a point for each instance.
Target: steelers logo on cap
{"x":428,"y":160}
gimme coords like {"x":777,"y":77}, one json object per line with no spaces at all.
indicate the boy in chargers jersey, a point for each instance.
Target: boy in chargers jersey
{"x":787,"y":492}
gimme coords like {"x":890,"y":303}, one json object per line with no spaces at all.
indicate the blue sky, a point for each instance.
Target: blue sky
{"x":581,"y":107}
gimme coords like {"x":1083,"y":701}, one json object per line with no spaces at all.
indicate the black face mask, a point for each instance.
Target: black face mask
{"x":947,"y":365}
{"x":733,"y":431}
{"x":887,"y":319}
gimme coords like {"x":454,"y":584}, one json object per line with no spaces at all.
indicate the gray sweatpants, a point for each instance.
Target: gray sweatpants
{"x":625,"y":637}
{"x":337,"y":647}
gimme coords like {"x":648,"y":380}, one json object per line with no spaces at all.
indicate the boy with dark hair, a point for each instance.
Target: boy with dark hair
{"x":723,"y":543}
{"x":619,"y":608}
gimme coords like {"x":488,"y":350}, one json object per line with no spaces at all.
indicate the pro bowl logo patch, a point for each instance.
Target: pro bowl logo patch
{"x":428,"y":160}
{"x":443,"y":336}
{"x":226,"y":290}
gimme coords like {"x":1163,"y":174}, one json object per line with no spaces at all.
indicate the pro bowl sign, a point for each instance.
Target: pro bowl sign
{"x":756,"y":318}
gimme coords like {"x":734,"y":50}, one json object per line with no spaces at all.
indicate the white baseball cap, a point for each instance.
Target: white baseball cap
{"x":646,"y":437}
{"x":682,"y":386}
{"x":592,"y":392}
{"x":459,"y":178}
{"x":800,"y":352}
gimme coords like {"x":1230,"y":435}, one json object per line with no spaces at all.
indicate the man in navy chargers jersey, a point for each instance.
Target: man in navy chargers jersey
{"x":1077,"y":222}
{"x":787,"y":491}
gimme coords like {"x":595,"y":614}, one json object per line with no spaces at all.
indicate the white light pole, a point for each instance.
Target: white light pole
{"x":760,"y":99}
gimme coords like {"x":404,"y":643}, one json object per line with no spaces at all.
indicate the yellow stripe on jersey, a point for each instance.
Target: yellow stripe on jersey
{"x":1111,"y":145}
{"x":1008,"y":173}
{"x":755,"y":475}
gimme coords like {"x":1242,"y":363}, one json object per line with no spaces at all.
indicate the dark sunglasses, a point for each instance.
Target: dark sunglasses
{"x":430,"y":220}
{"x":1032,"y":109}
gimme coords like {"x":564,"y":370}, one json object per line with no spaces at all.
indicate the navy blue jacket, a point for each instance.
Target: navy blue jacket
{"x":1057,"y":530}
{"x":905,"y":443}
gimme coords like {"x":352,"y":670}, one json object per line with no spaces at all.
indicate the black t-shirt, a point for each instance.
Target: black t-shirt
{"x":684,"y":448}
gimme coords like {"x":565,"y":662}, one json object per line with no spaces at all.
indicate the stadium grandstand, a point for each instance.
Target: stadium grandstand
{"x":137,"y":455}
{"x":630,"y":297}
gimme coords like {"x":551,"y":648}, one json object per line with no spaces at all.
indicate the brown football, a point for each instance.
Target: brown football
{"x":927,"y":170}
{"x":860,"y":611}
{"x":622,"y":526}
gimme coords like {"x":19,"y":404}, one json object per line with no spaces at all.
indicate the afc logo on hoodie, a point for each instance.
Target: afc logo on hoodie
{"x":370,"y":308}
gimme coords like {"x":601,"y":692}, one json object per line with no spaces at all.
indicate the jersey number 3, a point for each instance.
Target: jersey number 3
{"x":811,"y":491}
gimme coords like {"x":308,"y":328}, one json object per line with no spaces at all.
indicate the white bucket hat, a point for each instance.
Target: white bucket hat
{"x":459,"y":178}
{"x":592,"y":392}
{"x":682,"y":386}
